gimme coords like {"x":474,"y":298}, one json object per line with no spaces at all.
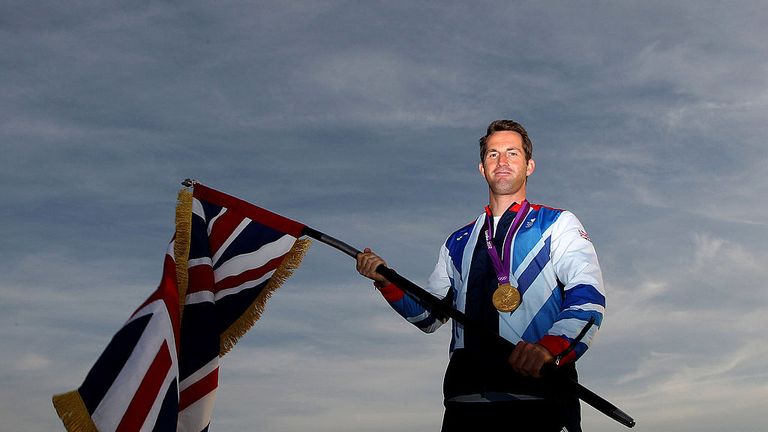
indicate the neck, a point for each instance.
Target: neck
{"x":500,"y":203}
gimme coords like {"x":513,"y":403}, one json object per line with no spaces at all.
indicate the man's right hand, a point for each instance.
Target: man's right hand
{"x":367,"y":262}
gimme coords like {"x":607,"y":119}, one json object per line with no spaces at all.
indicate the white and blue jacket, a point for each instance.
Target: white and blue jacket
{"x":554,"y":266}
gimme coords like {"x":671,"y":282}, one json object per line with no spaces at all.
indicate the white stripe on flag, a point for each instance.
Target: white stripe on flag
{"x":196,"y":417}
{"x":199,"y":261}
{"x":232,"y":236}
{"x":213,"y":220}
{"x":199,"y":297}
{"x":255,"y":259}
{"x":197,"y":208}
{"x":158,"y":331}
{"x":199,"y":374}
{"x":250,"y":284}
{"x":209,"y":297}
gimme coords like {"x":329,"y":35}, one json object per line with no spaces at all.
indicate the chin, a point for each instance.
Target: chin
{"x":504,"y":187}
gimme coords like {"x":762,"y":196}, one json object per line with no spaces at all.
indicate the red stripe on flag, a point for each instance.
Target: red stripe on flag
{"x":167,"y":285}
{"x":222,"y":229}
{"x":258,"y":214}
{"x":200,"y":278}
{"x":147,"y":393}
{"x":168,"y":292}
{"x":199,"y":390}
{"x":248,"y":275}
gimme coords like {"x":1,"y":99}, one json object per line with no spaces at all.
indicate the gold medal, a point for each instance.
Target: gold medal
{"x":506,"y":298}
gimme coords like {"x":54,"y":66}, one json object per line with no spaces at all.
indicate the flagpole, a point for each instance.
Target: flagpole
{"x":440,"y":307}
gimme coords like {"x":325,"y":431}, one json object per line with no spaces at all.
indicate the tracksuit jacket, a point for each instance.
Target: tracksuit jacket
{"x":555,"y":268}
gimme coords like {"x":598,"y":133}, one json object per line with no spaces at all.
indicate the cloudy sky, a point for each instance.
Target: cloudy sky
{"x":361,"y":119}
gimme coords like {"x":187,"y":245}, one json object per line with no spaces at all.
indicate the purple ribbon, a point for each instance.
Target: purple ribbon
{"x":503,"y":265}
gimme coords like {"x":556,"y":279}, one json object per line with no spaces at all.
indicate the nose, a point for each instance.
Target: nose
{"x":503,"y":159}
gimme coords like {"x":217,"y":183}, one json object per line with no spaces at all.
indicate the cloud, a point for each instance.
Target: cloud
{"x":31,"y":362}
{"x":362,"y":121}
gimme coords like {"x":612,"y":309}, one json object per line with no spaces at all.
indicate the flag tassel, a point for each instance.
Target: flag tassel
{"x":73,"y":413}
{"x":181,"y":243}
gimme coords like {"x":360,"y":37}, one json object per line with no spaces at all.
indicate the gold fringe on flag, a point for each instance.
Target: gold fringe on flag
{"x":181,"y":243}
{"x":291,"y":262}
{"x":73,"y":413}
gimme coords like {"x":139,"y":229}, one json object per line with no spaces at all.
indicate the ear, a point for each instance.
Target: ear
{"x":531,"y":167}
{"x":482,"y":169}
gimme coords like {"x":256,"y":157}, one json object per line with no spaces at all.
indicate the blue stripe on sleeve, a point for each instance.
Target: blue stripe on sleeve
{"x":426,"y":322}
{"x":583,"y":294}
{"x":408,"y":307}
{"x":583,"y":315}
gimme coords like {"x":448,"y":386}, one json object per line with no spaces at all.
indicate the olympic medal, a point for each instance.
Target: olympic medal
{"x":506,"y":298}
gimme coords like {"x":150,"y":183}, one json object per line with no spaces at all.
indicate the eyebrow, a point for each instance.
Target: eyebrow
{"x":506,"y":149}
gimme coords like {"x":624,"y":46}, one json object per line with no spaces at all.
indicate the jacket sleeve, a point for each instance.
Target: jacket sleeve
{"x":575,"y":263}
{"x":410,"y":308}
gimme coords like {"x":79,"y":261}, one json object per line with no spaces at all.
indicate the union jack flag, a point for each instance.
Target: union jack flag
{"x":160,"y":371}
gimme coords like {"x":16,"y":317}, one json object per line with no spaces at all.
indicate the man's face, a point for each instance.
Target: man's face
{"x":504,"y":166}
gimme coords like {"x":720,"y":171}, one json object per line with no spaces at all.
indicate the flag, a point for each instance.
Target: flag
{"x":160,"y":371}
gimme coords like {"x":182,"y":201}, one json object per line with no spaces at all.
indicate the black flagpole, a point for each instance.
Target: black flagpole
{"x":441,"y":308}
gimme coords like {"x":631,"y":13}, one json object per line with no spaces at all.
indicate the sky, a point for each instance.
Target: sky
{"x":361,"y":119}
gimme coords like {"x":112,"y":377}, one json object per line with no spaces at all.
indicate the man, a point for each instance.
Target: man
{"x":525,"y":271}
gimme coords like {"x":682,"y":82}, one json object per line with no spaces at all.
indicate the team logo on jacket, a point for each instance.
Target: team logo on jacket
{"x":530,"y":223}
{"x":584,"y":235}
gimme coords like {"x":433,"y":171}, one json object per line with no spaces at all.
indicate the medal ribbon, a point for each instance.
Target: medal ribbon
{"x":503,"y":264}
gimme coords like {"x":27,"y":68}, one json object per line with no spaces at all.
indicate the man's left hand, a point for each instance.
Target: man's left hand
{"x":528,"y":358}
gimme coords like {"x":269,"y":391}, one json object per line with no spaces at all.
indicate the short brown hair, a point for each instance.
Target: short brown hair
{"x":507,"y":125}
